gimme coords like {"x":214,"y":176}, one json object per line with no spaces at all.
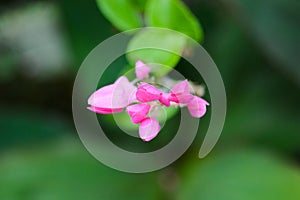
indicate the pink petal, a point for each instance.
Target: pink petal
{"x":147,"y":93}
{"x":197,"y":107}
{"x":132,"y":96}
{"x":149,"y":129}
{"x":127,"y":90}
{"x":173,"y":98}
{"x":141,"y":70}
{"x":114,"y":96}
{"x":138,"y":112}
{"x":104,"y":110}
{"x":181,"y":88}
{"x":185,"y":98}
{"x":164,"y":99}
{"x":180,"y":93}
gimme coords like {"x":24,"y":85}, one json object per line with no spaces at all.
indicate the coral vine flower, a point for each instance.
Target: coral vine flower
{"x":123,"y":94}
{"x":112,"y":98}
{"x":149,"y":129}
{"x":147,"y":93}
{"x":141,"y":70}
{"x":138,"y":112}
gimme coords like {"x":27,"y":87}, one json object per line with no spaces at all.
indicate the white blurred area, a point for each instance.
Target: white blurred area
{"x":34,"y":41}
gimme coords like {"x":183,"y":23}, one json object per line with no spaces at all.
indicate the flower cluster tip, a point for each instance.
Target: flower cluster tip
{"x":137,"y":100}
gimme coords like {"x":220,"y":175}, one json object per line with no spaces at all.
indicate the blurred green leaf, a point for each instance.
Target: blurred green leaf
{"x":263,"y":102}
{"x":264,"y":112}
{"x":173,"y":14}
{"x":64,"y":170}
{"x":242,"y":174}
{"x":161,"y":61}
{"x":140,"y":4}
{"x":238,"y":60}
{"x":86,"y":30}
{"x":124,"y":14}
{"x":274,"y":24}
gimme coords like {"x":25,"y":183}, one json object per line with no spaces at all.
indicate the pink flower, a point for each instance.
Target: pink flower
{"x":112,"y":98}
{"x":147,"y":93}
{"x":180,"y":93}
{"x":149,"y":129}
{"x":197,"y":107}
{"x":141,"y":70}
{"x":138,"y":112}
{"x":122,"y":94}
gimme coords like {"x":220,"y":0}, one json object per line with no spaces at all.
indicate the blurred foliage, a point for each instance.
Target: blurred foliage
{"x":161,"y":40}
{"x":275,"y":29}
{"x":255,"y":44}
{"x":63,"y":170}
{"x":40,"y":47}
{"x":245,"y":174}
{"x":125,"y":15}
{"x":86,"y":27}
{"x":22,"y":127}
{"x":173,"y":14}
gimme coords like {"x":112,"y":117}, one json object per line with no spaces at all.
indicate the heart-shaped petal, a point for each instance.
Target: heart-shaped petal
{"x":149,"y":129}
{"x":197,"y":107}
{"x":113,"y":97}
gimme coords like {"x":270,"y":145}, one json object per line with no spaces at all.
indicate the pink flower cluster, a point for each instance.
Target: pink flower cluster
{"x":139,"y":100}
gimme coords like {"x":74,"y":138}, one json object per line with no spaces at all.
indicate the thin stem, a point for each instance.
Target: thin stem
{"x":135,"y":81}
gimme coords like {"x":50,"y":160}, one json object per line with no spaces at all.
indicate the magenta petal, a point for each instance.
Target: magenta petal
{"x":141,"y":70}
{"x":138,"y":112}
{"x":197,"y":107}
{"x":147,"y":93}
{"x":173,"y":98}
{"x":114,"y":96}
{"x":149,"y":129}
{"x":164,"y":99}
{"x":104,"y":110}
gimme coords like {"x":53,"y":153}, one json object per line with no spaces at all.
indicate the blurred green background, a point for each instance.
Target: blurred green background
{"x":256,"y":46}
